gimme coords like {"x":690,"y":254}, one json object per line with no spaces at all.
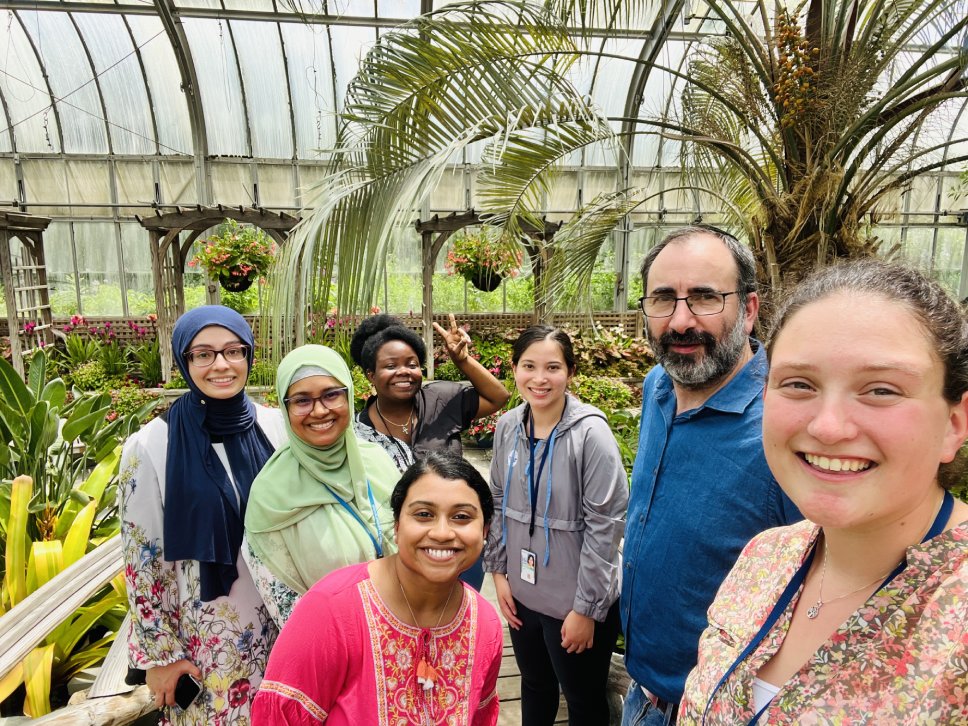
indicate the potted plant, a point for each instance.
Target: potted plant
{"x":481,"y":432}
{"x":483,"y":260}
{"x":236,"y":256}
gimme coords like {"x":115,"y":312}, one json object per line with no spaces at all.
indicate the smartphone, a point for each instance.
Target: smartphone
{"x":187,"y":690}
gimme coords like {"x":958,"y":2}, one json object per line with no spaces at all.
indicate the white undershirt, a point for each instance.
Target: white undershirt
{"x":763,"y":693}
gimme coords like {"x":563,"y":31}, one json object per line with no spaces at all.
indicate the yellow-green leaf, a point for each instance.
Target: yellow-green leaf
{"x":9,"y":683}
{"x":75,"y":543}
{"x":93,"y":487}
{"x":37,"y":667}
{"x":46,"y":560}
{"x":16,"y":553}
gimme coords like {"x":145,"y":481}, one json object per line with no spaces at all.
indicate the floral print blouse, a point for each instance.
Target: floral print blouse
{"x":228,"y":638}
{"x":901,"y":658}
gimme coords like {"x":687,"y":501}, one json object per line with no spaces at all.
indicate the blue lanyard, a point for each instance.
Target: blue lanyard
{"x":378,"y":540}
{"x":535,"y":479}
{"x":794,"y":585}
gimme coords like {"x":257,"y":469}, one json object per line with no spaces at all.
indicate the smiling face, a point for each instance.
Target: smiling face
{"x":397,"y":376}
{"x":542,"y":375}
{"x":854,"y":423}
{"x":698,"y":351}
{"x":223,"y":379}
{"x":322,"y":426}
{"x":441,"y":529}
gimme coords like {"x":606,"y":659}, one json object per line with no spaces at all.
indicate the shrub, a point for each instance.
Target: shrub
{"x":608,"y":394}
{"x":147,"y":362}
{"x":89,"y":376}
{"x":129,"y":399}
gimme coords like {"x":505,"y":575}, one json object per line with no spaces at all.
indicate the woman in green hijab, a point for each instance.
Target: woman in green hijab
{"x":321,"y":501}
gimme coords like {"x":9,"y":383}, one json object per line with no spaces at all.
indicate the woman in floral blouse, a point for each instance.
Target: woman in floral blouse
{"x":858,"y":615}
{"x":185,"y":484}
{"x":399,"y":640}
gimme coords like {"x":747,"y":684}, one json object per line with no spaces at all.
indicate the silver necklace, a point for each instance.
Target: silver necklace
{"x":813,"y":612}
{"x":404,"y":427}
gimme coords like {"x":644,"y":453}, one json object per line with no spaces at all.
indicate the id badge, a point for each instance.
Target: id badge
{"x":528,"y":566}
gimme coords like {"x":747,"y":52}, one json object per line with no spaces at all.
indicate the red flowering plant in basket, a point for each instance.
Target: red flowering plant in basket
{"x":236,"y":256}
{"x":483,"y":259}
{"x":482,"y":430}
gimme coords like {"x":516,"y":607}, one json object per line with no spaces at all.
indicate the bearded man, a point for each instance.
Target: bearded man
{"x":701,"y":488}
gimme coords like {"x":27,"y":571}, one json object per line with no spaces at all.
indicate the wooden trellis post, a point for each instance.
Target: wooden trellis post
{"x":23,"y":271}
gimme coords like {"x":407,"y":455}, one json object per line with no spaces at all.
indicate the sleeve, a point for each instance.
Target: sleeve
{"x":605,"y":498}
{"x":279,"y":599}
{"x":308,"y":665}
{"x":488,"y":707}
{"x":152,"y":582}
{"x":470,"y":401}
{"x":495,"y":552}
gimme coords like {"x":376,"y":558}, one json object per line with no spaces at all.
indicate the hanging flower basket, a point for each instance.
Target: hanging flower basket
{"x":237,"y":282}
{"x":236,"y":256}
{"x":485,"y":280}
{"x":483,"y":259}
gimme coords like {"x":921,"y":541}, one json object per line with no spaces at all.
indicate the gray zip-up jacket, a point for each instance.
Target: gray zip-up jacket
{"x":577,"y":530}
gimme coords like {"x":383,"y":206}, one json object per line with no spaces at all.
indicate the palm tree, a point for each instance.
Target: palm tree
{"x":803,"y":122}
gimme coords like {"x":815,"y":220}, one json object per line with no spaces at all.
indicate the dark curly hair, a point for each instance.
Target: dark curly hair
{"x":376,"y":330}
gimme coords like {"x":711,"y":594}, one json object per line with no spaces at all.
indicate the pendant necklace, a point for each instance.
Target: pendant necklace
{"x":813,"y":612}
{"x":426,"y":674}
{"x":404,"y":427}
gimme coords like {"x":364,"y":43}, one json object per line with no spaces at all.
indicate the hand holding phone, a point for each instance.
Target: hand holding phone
{"x":187,"y":690}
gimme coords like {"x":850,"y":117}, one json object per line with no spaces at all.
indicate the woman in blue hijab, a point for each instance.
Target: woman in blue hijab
{"x":185,"y":483}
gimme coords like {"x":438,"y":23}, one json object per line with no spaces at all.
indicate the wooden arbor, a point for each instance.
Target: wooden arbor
{"x":169,"y":254}
{"x":436,"y":231}
{"x":23,"y":271}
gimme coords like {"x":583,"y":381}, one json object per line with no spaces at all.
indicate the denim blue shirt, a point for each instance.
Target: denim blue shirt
{"x":701,"y":490}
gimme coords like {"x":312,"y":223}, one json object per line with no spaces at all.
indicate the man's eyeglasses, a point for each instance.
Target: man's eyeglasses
{"x":204,"y":357}
{"x":302,"y":405}
{"x":700,"y":303}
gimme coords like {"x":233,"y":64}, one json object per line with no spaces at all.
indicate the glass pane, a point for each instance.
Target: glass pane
{"x":71,"y":81}
{"x":97,"y":260}
{"x":257,"y":5}
{"x":266,"y":89}
{"x":164,"y":81}
{"x":219,"y":87}
{"x":25,"y":92}
{"x":61,"y":277}
{"x":311,"y":86}
{"x":138,"y":280}
{"x":354,"y":42}
{"x":121,"y":82}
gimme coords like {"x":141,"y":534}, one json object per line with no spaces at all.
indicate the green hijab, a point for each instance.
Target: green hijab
{"x":294,"y":521}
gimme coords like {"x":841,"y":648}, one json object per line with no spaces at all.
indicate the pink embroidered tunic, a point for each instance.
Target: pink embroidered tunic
{"x":344,"y":658}
{"x":901,"y":658}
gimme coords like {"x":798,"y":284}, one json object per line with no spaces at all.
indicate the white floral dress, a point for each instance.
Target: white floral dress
{"x":228,"y":638}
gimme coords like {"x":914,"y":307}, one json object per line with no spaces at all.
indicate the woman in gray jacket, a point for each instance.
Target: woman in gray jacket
{"x":560,"y":495}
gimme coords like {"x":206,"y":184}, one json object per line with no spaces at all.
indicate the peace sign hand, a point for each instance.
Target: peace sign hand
{"x":456,"y":340}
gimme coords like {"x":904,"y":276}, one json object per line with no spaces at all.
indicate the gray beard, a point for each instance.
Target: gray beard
{"x":716,"y":362}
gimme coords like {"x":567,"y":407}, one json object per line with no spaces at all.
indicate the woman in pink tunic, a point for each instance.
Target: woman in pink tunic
{"x":400,"y":640}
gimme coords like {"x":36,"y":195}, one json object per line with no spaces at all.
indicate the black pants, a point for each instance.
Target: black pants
{"x":544,"y":664}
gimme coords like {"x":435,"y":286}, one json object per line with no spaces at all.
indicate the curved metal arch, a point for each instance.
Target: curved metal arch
{"x":43,"y":73}
{"x":292,"y":110}
{"x":95,"y":76}
{"x":245,"y":100}
{"x":172,"y":24}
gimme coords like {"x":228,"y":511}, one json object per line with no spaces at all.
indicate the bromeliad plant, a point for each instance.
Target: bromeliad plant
{"x":235,"y":255}
{"x":58,"y":499}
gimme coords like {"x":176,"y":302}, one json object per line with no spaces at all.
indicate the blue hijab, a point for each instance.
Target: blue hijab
{"x":204,"y":516}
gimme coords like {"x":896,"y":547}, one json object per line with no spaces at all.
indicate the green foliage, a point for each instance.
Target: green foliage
{"x":130,"y":399}
{"x":114,"y":360}
{"x":483,"y":253}
{"x":604,"y":393}
{"x":611,"y":353}
{"x":147,"y":362}
{"x":176,"y":381}
{"x":262,"y":373}
{"x":624,"y":423}
{"x":244,"y":303}
{"x":89,"y":376}
{"x":70,"y":451}
{"x":362,"y":389}
{"x":447,"y":371}
{"x":235,"y":251}
{"x":79,"y":349}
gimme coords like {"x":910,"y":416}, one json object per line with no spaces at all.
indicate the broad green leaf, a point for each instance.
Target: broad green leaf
{"x":92,"y":488}
{"x":13,"y":390}
{"x":37,"y":373}
{"x":85,"y":618}
{"x":46,"y":560}
{"x":37,"y":667}
{"x":55,"y":393}
{"x":78,"y":426}
{"x":15,"y":577}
